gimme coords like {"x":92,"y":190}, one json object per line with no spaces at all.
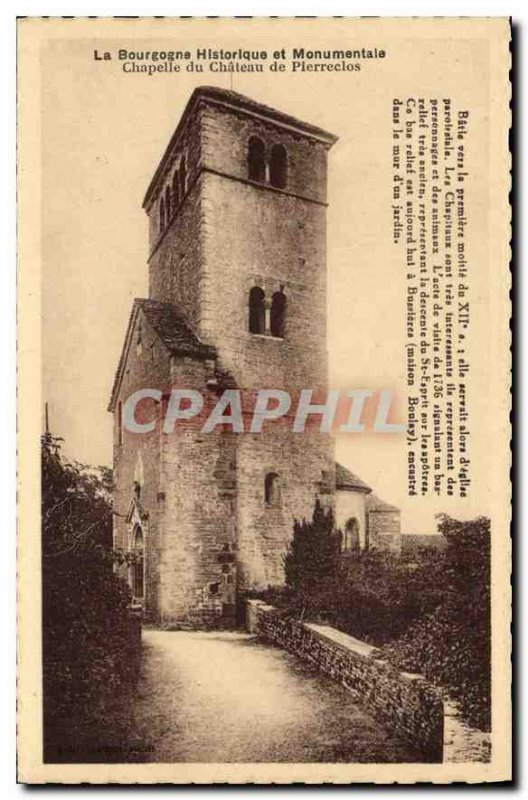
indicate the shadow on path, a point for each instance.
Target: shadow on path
{"x":223,"y":697}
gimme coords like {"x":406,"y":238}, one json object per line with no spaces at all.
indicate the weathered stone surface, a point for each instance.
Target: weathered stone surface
{"x":208,"y":532}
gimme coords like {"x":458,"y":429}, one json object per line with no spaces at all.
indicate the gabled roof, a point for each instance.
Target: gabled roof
{"x":374,"y":503}
{"x":173,"y":330}
{"x":242,"y":104}
{"x":348,"y":481}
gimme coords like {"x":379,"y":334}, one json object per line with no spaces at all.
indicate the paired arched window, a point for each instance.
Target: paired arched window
{"x":173,"y":195}
{"x":278,"y":313}
{"x":137,"y":566}
{"x":258,"y":164}
{"x":257,"y":312}
{"x":278,"y":166}
{"x":256,"y":160}
{"x":272,"y":489}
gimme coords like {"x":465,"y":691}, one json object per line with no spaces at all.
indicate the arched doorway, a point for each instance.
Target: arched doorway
{"x":351,"y":535}
{"x":138,"y":578}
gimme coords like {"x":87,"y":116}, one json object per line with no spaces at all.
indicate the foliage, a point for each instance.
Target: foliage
{"x":431,"y":616}
{"x":89,"y":645}
{"x":452,"y":645}
{"x":313,"y":555}
{"x":369,"y":594}
{"x":376,"y":595}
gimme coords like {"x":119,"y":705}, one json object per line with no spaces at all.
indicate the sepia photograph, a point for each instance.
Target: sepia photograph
{"x":265,"y":498}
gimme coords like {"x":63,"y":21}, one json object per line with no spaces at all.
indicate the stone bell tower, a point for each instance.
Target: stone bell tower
{"x":237,"y":213}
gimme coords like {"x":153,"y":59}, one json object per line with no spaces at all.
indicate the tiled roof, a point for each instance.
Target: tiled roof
{"x":347,"y":480}
{"x":413,"y":542}
{"x":374,"y":503}
{"x":173,"y":330}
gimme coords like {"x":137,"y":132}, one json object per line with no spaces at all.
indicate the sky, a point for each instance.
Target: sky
{"x":103,"y":133}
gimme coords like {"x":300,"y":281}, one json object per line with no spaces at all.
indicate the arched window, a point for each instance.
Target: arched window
{"x":278,"y":313}
{"x":256,"y":160}
{"x":176,"y":190}
{"x":162,"y":215}
{"x":351,"y":535}
{"x":183,"y":178}
{"x":278,"y":166}
{"x":257,"y":314}
{"x":272,"y":489}
{"x":137,"y":566}
{"x":168,"y":203}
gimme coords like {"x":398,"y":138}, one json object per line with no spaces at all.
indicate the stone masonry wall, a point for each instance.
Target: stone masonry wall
{"x":384,"y":529}
{"x":225,"y":137}
{"x":300,"y":461}
{"x":408,"y":705}
{"x":188,"y":148}
{"x":148,"y":365}
{"x":175,"y":265}
{"x":253,"y":236}
{"x":198,"y":549}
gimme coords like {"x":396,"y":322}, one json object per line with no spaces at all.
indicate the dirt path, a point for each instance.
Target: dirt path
{"x":224,"y":697}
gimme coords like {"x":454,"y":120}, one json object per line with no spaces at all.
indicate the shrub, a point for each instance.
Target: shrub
{"x":452,"y":645}
{"x":313,"y":555}
{"x":90,"y":643}
{"x":372,"y":595}
{"x":431,"y":617}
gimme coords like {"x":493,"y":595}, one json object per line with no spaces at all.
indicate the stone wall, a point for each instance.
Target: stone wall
{"x":225,"y":137}
{"x":406,"y":703}
{"x":138,"y":456}
{"x":256,"y":235}
{"x":384,"y":528}
{"x":175,"y":264}
{"x":210,"y":529}
{"x":264,"y":531}
{"x":197,"y":550}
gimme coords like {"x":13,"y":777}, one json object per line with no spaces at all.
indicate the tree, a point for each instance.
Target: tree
{"x":90,"y":644}
{"x":313,"y":554}
{"x":452,"y":645}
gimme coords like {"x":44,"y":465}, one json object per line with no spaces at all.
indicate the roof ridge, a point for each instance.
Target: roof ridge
{"x":242,"y":103}
{"x":173,"y":329}
{"x":346,"y":478}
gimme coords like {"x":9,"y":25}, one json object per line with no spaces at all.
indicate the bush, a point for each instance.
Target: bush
{"x":372,"y":595}
{"x":452,"y":645}
{"x":313,"y":557}
{"x":90,"y":642}
{"x":431,"y":617}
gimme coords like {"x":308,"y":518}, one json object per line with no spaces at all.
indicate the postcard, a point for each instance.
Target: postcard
{"x":264,"y":400}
